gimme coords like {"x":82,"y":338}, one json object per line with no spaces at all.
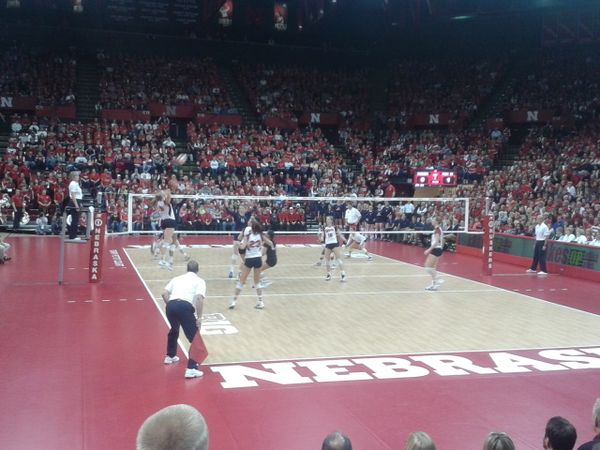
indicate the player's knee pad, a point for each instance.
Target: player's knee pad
{"x":239,"y":285}
{"x":430,"y":270}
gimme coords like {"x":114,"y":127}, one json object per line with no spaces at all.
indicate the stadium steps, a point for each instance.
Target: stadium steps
{"x":4,"y":136}
{"x":240,"y":100}
{"x":510,"y":155}
{"x":379,"y":80}
{"x":492,"y":106}
{"x":87,"y":89}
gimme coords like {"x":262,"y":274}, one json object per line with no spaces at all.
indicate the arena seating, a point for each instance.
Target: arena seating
{"x":130,"y":82}
{"x":287,"y":91}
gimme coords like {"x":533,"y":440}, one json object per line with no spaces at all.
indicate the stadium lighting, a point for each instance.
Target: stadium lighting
{"x":461,"y":17}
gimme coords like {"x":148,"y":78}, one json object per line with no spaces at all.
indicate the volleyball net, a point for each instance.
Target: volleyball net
{"x":377,"y":217}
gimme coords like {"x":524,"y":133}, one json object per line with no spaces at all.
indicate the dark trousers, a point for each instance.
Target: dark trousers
{"x":539,"y":256}
{"x":181,"y":313}
{"x":74,"y":226}
{"x":17,"y":217}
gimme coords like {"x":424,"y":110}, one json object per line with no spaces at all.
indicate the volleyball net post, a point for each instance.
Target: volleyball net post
{"x":95,"y":230}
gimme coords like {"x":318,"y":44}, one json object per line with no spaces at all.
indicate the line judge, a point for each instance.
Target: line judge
{"x":184,"y":296}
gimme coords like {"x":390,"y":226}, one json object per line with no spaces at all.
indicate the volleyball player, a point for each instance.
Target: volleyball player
{"x":357,"y":241}
{"x":319,"y":263}
{"x":333,"y":236}
{"x":433,"y":254}
{"x":269,"y":249}
{"x":241,"y":226}
{"x":252,"y":243}
{"x":167,"y":224}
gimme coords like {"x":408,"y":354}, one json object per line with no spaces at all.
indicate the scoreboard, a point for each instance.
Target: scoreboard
{"x":429,"y":178}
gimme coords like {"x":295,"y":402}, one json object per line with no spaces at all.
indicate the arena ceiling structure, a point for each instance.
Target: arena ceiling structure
{"x":336,"y":23}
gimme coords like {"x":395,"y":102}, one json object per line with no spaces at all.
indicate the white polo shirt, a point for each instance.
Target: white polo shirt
{"x":352,"y":216}
{"x":186,"y":287}
{"x":75,"y":190}
{"x":541,"y":232}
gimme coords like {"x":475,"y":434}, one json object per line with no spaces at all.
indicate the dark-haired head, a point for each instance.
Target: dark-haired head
{"x":560,"y":434}
{"x":256,"y":226}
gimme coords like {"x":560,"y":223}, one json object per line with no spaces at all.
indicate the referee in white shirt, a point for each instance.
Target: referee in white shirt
{"x":184,"y":296}
{"x":352,"y":217}
{"x":539,"y":255}
{"x":75,"y":196}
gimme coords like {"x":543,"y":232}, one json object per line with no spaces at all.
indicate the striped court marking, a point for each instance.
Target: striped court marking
{"x":320,"y":277}
{"x":304,"y":294}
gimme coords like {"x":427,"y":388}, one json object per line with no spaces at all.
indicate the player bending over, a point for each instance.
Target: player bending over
{"x":357,"y":241}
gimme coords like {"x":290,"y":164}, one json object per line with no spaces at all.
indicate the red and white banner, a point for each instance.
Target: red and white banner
{"x":125,"y":114}
{"x":280,"y":16}
{"x":20,"y":103}
{"x":226,"y":13}
{"x":308,"y":118}
{"x":97,"y":247}
{"x":488,"y":244}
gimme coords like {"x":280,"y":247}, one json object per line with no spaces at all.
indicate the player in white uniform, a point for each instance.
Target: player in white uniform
{"x":252,"y":243}
{"x":167,"y":224}
{"x":357,"y":241}
{"x":332,"y":246}
{"x":432,"y":254}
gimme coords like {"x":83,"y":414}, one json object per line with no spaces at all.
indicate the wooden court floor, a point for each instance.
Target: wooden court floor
{"x":381,"y":309}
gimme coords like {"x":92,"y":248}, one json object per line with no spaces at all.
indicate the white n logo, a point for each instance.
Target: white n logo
{"x":315,"y":118}
{"x":532,"y":116}
{"x":6,"y":102}
{"x":434,"y":118}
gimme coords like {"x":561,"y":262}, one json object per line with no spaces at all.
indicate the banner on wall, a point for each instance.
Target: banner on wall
{"x":226,"y":13}
{"x":280,"y":16}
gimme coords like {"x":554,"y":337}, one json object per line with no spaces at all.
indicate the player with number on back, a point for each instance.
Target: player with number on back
{"x":333,"y":236}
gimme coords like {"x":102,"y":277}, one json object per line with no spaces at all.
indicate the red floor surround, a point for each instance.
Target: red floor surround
{"x":84,"y":375}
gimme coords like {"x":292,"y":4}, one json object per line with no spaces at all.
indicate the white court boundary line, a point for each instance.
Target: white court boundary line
{"x":495,"y":287}
{"x":151,"y":295}
{"x":489,"y":288}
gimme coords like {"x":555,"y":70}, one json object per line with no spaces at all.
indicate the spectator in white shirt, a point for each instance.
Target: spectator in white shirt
{"x":568,"y":236}
{"x":580,"y":237}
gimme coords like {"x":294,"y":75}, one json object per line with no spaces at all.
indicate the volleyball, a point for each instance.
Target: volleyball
{"x":180,"y":159}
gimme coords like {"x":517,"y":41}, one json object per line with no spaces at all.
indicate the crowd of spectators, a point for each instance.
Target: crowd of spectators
{"x":556,"y":175}
{"x":451,"y":87}
{"x":131,"y":82}
{"x":287,"y":91}
{"x":47,"y":77}
{"x":563,"y":81}
{"x":114,"y":158}
{"x":469,"y":153}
